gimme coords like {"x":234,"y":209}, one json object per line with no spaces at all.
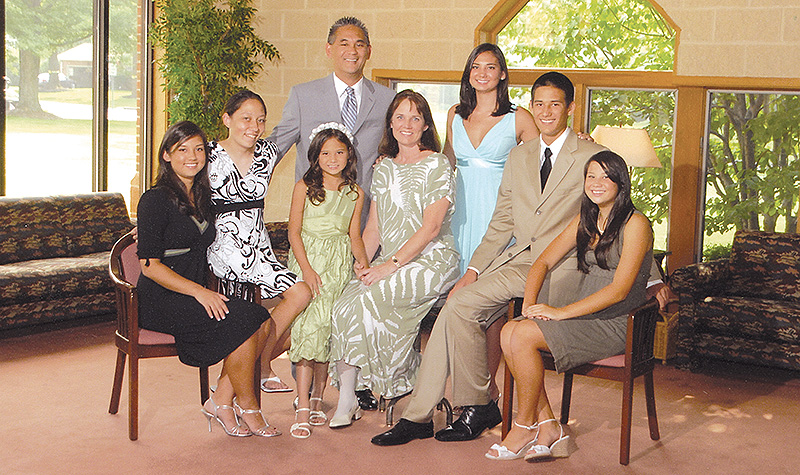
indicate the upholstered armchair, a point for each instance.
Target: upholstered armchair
{"x":745,"y":308}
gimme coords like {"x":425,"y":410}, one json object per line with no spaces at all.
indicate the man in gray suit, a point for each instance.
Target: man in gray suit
{"x":326,"y":100}
{"x":539,"y":193}
{"x":345,"y":96}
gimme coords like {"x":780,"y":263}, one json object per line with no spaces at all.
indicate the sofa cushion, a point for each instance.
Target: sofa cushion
{"x":93,"y":222}
{"x":30,"y":229}
{"x":748,"y":318}
{"x":47,"y":311}
{"x":55,"y":278}
{"x":765,"y":266}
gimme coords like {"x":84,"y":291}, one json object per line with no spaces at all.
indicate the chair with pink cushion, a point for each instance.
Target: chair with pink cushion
{"x":638,"y":360}
{"x":131,"y":340}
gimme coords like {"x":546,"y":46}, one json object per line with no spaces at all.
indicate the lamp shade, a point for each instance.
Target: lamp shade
{"x":633,"y":145}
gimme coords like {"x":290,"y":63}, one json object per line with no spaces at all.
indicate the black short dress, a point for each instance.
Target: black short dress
{"x":181,"y":242}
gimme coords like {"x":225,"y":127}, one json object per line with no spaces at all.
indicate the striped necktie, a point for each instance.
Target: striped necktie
{"x":350,"y":110}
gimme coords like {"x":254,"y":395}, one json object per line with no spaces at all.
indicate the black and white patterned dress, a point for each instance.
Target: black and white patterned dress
{"x":242,"y":251}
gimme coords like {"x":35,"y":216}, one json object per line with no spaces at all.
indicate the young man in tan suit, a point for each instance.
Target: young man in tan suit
{"x":528,"y":215}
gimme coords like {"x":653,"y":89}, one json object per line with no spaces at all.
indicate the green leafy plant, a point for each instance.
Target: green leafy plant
{"x":210,"y":49}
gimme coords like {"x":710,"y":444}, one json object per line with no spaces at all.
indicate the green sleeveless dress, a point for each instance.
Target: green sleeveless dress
{"x":327,"y":242}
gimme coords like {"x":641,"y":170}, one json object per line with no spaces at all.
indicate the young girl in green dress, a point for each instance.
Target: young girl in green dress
{"x":325,"y":234}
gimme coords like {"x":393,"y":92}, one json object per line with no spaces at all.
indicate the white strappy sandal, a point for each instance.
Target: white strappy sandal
{"x":504,"y":454}
{"x":557,"y":449}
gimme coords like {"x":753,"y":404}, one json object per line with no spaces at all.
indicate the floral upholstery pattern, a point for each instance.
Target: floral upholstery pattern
{"x":279,"y":238}
{"x":54,"y":257}
{"x":745,"y":308}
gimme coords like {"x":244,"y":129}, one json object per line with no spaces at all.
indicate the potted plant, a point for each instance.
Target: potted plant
{"x":209,"y":50}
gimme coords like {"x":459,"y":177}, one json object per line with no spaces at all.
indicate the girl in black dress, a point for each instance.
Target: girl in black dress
{"x":175,"y":227}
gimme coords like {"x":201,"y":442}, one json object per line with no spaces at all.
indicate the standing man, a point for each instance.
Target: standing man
{"x":345,"y":96}
{"x":539,"y":193}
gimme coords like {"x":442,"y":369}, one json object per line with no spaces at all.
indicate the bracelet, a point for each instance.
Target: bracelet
{"x":396,"y":262}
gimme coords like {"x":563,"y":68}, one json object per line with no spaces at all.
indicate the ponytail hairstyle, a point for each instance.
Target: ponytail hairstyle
{"x":616,"y":169}
{"x":199,"y":205}
{"x":313,"y":176}
{"x":468,"y":100}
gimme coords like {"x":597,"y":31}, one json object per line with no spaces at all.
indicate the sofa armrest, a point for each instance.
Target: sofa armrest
{"x":702,"y":279}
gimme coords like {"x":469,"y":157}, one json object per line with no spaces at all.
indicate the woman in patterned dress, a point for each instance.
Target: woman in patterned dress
{"x":240,"y":168}
{"x":376,"y":320}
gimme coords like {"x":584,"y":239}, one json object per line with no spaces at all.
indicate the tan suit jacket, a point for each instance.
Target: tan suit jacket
{"x":527,"y":219}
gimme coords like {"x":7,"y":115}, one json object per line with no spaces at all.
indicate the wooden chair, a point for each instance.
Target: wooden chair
{"x":130,"y":339}
{"x":638,"y":360}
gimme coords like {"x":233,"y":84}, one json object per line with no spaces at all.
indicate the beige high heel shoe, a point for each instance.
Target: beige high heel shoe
{"x":345,"y":420}
{"x":236,"y":431}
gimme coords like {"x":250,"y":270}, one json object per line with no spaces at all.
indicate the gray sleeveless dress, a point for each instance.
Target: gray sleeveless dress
{"x":599,"y":335}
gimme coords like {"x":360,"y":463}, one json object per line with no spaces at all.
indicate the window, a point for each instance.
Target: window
{"x":751,"y":166}
{"x":50,"y":119}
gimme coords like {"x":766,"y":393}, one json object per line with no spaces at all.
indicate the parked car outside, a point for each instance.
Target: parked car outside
{"x":64,"y":82}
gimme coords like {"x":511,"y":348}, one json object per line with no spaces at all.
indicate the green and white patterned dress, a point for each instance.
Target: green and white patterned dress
{"x":374,"y":327}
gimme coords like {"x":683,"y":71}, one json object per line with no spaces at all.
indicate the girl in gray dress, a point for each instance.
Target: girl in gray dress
{"x":614,"y":244}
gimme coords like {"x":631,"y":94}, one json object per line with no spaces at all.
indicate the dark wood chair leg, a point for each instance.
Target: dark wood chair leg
{"x":650,"y":398}
{"x":508,"y":400}
{"x":116,"y":390}
{"x":625,"y":427}
{"x":204,"y":391}
{"x":566,"y":397}
{"x":133,"y":398}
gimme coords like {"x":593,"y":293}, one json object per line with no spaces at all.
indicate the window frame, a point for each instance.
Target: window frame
{"x":686,"y":208}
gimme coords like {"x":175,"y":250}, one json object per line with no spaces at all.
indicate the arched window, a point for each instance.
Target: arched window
{"x":596,"y":34}
{"x":607,"y":35}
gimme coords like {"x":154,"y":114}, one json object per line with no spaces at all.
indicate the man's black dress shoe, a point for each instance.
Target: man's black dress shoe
{"x":404,"y":432}
{"x":366,"y":400}
{"x":472,"y":422}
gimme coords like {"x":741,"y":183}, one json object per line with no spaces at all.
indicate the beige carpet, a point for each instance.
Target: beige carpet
{"x":55,"y":388}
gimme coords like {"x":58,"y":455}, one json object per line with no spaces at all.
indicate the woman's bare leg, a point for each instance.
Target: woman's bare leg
{"x":295,"y":300}
{"x":521,"y":342}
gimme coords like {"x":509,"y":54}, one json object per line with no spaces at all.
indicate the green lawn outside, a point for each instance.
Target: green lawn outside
{"x":64,"y":126}
{"x":83,"y":95}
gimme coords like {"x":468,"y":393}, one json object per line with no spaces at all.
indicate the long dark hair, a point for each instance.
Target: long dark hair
{"x":429,"y":139}
{"x":313,"y":176}
{"x":616,"y":169}
{"x":200,"y":204}
{"x":467,"y":97}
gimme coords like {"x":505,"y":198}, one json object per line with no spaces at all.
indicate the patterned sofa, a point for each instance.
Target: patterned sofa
{"x":54,"y":257}
{"x":745,"y":308}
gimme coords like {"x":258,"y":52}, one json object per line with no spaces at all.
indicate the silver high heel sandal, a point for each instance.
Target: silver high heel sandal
{"x":317,"y":414}
{"x":504,"y":454}
{"x":263,"y":431}
{"x":236,"y":431}
{"x":559,"y":448}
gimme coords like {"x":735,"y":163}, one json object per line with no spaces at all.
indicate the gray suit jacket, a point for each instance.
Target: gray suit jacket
{"x":526,"y":219}
{"x":315,"y":102}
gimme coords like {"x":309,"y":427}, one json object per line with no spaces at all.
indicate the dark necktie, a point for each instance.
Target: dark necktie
{"x":546,"y":166}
